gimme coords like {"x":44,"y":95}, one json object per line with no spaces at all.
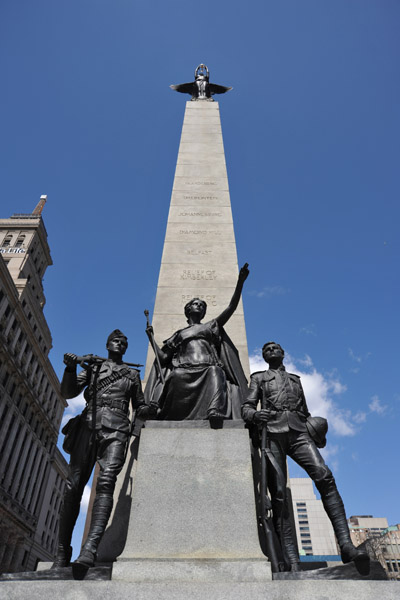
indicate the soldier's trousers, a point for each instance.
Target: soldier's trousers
{"x":302,"y":449}
{"x":108,"y":448}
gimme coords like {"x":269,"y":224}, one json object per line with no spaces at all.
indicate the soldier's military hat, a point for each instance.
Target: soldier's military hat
{"x":116,"y":334}
{"x":317,"y":428}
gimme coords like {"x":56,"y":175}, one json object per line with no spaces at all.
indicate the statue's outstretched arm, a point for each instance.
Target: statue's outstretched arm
{"x":228,"y":312}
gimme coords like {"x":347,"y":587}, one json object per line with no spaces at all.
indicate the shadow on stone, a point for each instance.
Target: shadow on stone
{"x":114,"y":539}
{"x":350,"y":571}
{"x":62,"y":574}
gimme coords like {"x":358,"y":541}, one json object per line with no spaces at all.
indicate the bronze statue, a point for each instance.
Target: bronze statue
{"x":99,"y":434}
{"x":201,"y":367}
{"x":201,"y":88}
{"x":289,"y":430}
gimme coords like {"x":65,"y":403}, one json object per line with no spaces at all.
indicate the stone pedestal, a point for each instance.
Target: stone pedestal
{"x":193,"y":514}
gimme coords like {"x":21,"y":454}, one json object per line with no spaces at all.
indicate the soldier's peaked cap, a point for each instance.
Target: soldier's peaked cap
{"x":116,"y":334}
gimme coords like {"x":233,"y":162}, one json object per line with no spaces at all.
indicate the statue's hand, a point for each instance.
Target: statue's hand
{"x":147,"y":412}
{"x":244,"y":273}
{"x":262,"y":416}
{"x":150,"y":331}
{"x":70,"y":360}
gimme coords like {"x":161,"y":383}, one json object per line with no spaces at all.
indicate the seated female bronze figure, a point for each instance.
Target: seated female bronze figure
{"x":201,"y":368}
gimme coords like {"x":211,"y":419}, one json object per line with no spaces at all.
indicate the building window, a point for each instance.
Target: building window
{"x":307,"y":547}
{"x":301,"y":510}
{"x":301,"y":504}
{"x":7,"y":240}
{"x":20,"y":240}
{"x":303,"y":522}
{"x":5,"y":441}
{"x":304,"y":529}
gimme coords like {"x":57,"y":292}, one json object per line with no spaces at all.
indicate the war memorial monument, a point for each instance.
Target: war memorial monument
{"x":189,"y":515}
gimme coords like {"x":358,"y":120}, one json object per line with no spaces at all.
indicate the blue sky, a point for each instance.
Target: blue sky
{"x":311,"y":133}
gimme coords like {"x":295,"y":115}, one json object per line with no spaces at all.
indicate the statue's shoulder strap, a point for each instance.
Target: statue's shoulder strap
{"x":258,"y":375}
{"x":132,"y":374}
{"x":294,"y":376}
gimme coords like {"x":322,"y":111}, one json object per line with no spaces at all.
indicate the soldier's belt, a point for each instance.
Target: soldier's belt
{"x":121,"y":404}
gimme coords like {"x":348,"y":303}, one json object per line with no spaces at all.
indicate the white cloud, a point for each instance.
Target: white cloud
{"x":376,"y":405}
{"x":318,"y":389}
{"x":306,"y":361}
{"x":75,"y":406}
{"x":308,"y":330}
{"x":268,"y":291}
{"x":360,"y":417}
{"x":353,"y":356}
{"x":329,"y":454}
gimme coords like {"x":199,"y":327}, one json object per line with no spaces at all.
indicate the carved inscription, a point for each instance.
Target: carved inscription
{"x":200,"y":197}
{"x":198,"y":232}
{"x":200,"y":182}
{"x":200,"y":214}
{"x":198,"y":251}
{"x":211,"y":299}
{"x":198,"y":274}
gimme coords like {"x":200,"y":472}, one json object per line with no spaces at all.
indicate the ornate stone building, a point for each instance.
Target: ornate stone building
{"x":32,"y":470}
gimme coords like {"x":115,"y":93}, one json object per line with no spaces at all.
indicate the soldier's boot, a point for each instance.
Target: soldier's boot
{"x":334,"y":508}
{"x":101,"y":511}
{"x":63,"y":557}
{"x":68,"y":516}
{"x":287,"y":538}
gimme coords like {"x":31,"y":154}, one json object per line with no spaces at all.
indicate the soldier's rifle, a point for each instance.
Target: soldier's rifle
{"x":271,"y":538}
{"x":88,"y":360}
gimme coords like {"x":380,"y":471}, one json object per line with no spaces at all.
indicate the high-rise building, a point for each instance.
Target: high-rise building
{"x":32,"y":470}
{"x":314,"y":530}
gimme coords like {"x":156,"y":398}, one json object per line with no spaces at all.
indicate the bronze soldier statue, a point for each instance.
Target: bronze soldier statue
{"x":99,"y":434}
{"x":291,"y":431}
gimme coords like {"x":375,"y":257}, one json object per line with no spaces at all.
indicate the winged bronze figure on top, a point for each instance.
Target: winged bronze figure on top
{"x":201,"y":88}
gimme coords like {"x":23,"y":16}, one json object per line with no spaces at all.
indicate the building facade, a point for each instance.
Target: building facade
{"x":381,"y":541}
{"x":32,"y":470}
{"x":315,"y":535}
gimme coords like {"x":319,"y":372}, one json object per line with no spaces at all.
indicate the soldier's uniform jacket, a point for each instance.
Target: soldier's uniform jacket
{"x":282,"y":394}
{"x":117,"y":386}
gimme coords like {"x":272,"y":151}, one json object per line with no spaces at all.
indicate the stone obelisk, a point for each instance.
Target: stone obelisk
{"x":188,"y":500}
{"x":199,"y":257}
